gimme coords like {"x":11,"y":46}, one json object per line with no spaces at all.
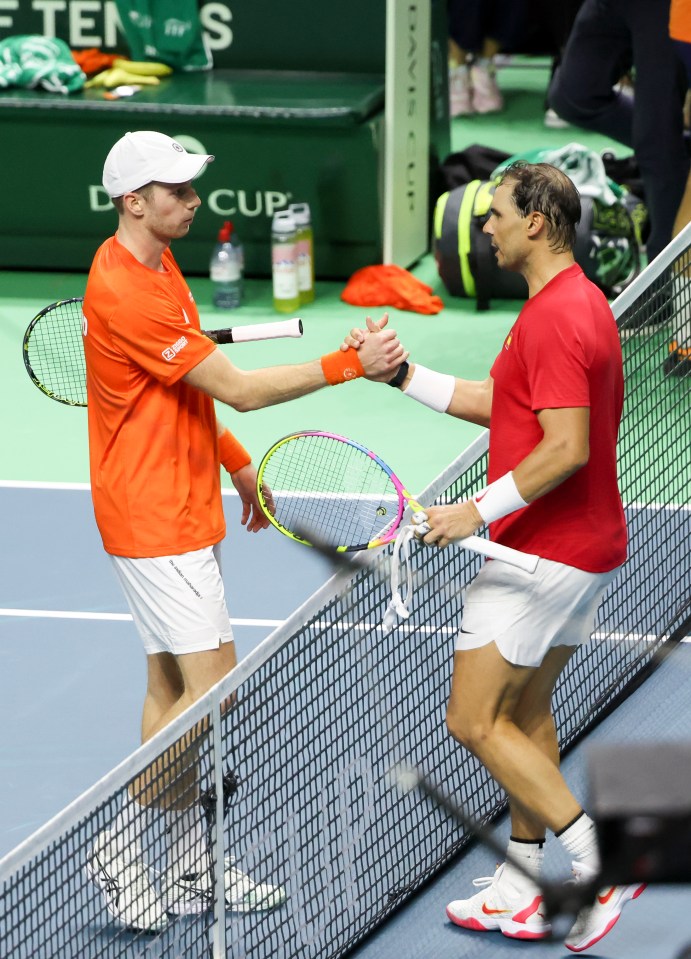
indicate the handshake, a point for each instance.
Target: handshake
{"x":379,"y":351}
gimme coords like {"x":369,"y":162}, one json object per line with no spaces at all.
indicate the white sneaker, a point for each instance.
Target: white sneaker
{"x":518,"y":915}
{"x":188,"y":894}
{"x":125,"y":883}
{"x":243,"y":894}
{"x":192,"y":892}
{"x":487,"y":97}
{"x":594,"y":922}
{"x":460,"y":92}
{"x":553,"y":121}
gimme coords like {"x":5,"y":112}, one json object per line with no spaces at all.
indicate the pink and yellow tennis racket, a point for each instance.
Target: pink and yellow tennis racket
{"x":346,"y":496}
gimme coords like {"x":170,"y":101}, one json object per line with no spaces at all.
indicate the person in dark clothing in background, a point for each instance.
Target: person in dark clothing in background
{"x":608,"y":38}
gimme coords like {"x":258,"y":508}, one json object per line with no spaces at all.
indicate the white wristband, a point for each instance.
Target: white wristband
{"x":432,"y":389}
{"x":498,"y":499}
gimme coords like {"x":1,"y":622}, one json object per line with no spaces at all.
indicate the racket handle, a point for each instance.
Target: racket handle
{"x":525,"y":561}
{"x":257,"y":331}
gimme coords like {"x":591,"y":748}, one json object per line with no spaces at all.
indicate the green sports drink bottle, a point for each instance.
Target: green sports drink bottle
{"x":305,"y":251}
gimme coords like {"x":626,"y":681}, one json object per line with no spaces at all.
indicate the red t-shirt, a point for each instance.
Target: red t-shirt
{"x":153,"y":445}
{"x":562,"y":352}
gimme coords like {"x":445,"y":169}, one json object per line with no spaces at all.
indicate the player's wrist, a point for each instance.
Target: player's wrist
{"x":231,"y":453}
{"x":401,"y":375}
{"x":475,"y":514}
{"x":430,"y":388}
{"x":498,"y":499}
{"x":341,"y":366}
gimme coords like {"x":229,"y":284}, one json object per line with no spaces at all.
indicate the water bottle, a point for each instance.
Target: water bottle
{"x":226,"y":269}
{"x":284,"y":262}
{"x":305,"y":250}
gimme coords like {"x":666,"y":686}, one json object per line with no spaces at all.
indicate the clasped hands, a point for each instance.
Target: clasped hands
{"x":380,"y":355}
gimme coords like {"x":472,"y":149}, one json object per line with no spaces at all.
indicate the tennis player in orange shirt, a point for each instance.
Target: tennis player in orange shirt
{"x":155,"y":448}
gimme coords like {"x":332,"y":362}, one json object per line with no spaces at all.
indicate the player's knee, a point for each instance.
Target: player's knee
{"x":567,"y":100}
{"x":467,"y":730}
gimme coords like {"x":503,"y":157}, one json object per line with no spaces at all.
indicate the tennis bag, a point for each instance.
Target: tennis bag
{"x":607,"y":246}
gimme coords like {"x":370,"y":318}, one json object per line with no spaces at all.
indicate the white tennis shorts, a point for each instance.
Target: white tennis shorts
{"x":177,"y":602}
{"x":527,"y":614}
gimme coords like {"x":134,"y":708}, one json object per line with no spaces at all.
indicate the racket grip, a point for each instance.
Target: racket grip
{"x":525,"y":561}
{"x":257,"y":331}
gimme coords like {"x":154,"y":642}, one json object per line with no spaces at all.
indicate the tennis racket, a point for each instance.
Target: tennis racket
{"x":346,"y":495}
{"x":54,"y":354}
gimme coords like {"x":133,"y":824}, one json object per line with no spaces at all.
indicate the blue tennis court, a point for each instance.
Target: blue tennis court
{"x":72,"y":684}
{"x":73,"y":669}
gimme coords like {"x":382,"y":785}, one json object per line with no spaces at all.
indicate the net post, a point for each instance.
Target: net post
{"x":217,"y":849}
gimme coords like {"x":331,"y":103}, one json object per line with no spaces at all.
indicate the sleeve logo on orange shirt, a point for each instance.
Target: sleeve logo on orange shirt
{"x":171,"y":352}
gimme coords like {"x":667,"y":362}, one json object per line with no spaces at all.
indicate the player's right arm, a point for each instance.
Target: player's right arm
{"x":469,"y":400}
{"x":246,"y":390}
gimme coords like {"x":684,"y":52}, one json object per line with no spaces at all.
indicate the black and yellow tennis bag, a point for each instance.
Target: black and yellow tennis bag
{"x":607,"y":246}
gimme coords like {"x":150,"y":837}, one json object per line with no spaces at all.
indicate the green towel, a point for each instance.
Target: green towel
{"x":168,"y":31}
{"x":35,"y":61}
{"x":583,"y":166}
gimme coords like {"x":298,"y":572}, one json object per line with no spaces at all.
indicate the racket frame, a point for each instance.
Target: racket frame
{"x":26,"y":349}
{"x":477,"y":544}
{"x":388,"y":532}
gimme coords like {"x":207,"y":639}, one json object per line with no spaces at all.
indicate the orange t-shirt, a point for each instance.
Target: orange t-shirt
{"x":153,"y":444}
{"x":680,"y":20}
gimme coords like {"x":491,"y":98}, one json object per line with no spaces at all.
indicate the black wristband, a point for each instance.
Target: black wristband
{"x":400,"y":375}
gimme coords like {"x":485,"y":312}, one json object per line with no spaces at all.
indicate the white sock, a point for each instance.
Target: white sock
{"x":186,"y":840}
{"x":129,"y":825}
{"x":529,"y":855}
{"x":580,"y":841}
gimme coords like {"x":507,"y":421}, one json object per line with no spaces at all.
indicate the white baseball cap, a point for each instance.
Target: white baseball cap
{"x":144,"y":157}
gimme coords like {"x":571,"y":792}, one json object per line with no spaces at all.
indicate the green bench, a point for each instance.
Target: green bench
{"x":279,"y":136}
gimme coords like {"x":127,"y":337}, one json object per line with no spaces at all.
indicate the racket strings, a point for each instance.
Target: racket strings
{"x":327,"y":486}
{"x":55,"y":352}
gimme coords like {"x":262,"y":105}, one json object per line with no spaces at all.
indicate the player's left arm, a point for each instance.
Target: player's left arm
{"x":238,"y":463}
{"x":563,"y":449}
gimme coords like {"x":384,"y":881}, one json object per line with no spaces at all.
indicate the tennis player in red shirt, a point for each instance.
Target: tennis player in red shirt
{"x":553,"y":403}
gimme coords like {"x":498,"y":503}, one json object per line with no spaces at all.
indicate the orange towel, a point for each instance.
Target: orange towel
{"x":93,"y":60}
{"x":389,"y":285}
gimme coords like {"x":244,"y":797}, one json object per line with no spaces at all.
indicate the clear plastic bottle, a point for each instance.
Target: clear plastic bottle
{"x":284,"y":262}
{"x":226,"y":269}
{"x":305,"y":250}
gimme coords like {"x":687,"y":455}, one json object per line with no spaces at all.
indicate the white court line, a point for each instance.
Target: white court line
{"x":30,"y":484}
{"x":113,"y":617}
{"x":318,"y":624}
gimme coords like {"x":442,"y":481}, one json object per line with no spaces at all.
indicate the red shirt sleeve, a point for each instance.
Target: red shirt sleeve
{"x":556,"y":360}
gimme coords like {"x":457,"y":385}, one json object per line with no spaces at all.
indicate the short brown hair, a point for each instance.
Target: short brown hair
{"x":543,"y":188}
{"x":117,"y":200}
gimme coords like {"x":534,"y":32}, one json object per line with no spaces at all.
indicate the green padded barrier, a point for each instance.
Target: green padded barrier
{"x":298,"y":115}
{"x":310,"y":139}
{"x":341,"y":98}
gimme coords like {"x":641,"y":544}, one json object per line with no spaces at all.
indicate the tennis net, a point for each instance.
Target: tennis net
{"x":311,"y":722}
